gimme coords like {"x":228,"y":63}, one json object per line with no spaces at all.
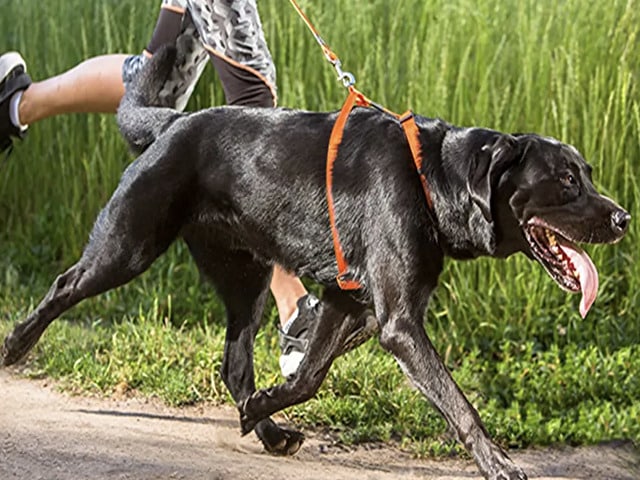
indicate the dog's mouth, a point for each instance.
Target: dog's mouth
{"x":564,"y":261}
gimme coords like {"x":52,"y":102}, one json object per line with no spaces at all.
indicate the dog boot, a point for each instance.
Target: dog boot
{"x":13,"y":81}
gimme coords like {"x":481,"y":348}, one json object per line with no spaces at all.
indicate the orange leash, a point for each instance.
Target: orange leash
{"x":355,"y":98}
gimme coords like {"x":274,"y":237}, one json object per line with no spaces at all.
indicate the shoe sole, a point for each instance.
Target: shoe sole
{"x":10,"y":61}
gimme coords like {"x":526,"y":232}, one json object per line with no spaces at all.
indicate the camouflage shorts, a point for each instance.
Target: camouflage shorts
{"x":229,"y":30}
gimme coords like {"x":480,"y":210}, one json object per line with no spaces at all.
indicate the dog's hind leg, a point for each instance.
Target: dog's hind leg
{"x":243,"y":285}
{"x":135,"y":227}
{"x":88,"y":277}
{"x":338,"y":317}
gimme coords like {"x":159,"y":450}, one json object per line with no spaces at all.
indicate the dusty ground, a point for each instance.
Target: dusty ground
{"x":48,"y":435}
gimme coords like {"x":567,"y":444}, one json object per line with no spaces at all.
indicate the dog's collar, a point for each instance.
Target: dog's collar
{"x":346,"y":279}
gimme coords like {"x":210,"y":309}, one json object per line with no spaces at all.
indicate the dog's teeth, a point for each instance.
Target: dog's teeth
{"x":551,"y":237}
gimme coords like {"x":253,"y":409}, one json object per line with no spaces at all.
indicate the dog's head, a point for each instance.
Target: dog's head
{"x":540,"y":196}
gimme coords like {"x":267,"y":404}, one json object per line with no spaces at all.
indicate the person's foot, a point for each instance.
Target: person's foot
{"x":294,"y":335}
{"x":13,"y":80}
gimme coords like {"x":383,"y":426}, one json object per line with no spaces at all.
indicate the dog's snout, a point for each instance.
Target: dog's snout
{"x":620,"y":221}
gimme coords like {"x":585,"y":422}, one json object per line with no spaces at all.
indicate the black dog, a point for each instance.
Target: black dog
{"x":245,"y":188}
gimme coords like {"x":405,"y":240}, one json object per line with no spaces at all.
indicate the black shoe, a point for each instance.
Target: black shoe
{"x":13,"y":78}
{"x":294,"y":335}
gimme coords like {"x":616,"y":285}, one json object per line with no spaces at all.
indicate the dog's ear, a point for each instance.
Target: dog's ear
{"x":486,"y":167}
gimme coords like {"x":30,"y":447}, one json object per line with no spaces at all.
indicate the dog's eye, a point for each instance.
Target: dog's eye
{"x":569,"y":180}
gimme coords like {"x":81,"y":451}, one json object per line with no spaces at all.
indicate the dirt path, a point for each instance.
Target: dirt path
{"x":48,"y":435}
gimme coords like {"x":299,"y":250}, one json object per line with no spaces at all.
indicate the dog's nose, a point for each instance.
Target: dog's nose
{"x":620,"y":221}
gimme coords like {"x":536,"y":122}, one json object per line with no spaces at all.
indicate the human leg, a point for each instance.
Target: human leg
{"x":286,"y":289}
{"x":94,"y":85}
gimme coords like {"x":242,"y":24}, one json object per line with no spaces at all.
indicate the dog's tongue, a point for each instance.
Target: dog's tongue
{"x":588,"y":274}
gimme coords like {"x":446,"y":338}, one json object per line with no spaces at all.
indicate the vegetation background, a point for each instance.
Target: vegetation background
{"x":515,"y":342}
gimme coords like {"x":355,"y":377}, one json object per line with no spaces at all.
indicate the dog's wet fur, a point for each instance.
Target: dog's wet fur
{"x":245,"y":188}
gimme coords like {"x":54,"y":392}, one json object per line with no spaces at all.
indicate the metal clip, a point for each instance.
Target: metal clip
{"x":346,"y":78}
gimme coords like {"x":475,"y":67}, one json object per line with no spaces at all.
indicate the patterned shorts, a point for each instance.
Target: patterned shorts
{"x":230,"y":33}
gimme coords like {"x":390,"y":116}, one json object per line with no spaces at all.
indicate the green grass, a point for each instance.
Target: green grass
{"x":537,"y":372}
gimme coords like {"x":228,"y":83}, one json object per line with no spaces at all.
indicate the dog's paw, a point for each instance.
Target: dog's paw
{"x":499,"y":466}
{"x":276,"y":440}
{"x":11,"y":352}
{"x":515,"y":475}
{"x":511,"y":472}
{"x":18,"y":343}
{"x":288,"y":443}
{"x":256,"y":407}
{"x":247,"y":424}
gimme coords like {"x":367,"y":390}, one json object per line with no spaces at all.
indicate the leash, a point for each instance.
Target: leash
{"x":345,"y":278}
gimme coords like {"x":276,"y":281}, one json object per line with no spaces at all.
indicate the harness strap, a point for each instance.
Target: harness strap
{"x":407,"y":120}
{"x":411,"y":131}
{"x":344,"y":277}
{"x":355,"y":98}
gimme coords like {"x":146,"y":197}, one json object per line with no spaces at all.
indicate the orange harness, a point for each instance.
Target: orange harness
{"x":411,"y":131}
{"x":356,"y":98}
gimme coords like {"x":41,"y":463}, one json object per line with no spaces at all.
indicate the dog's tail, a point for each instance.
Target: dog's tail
{"x":147,"y":108}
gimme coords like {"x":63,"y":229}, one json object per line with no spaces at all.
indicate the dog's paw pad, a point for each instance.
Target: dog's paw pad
{"x":288,"y":445}
{"x":294,"y":445}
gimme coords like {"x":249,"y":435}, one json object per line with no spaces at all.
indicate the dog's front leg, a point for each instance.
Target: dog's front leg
{"x":338,"y":315}
{"x":404,"y":336}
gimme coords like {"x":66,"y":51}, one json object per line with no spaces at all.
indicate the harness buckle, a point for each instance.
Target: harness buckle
{"x":346,"y":281}
{"x":406,"y":116}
